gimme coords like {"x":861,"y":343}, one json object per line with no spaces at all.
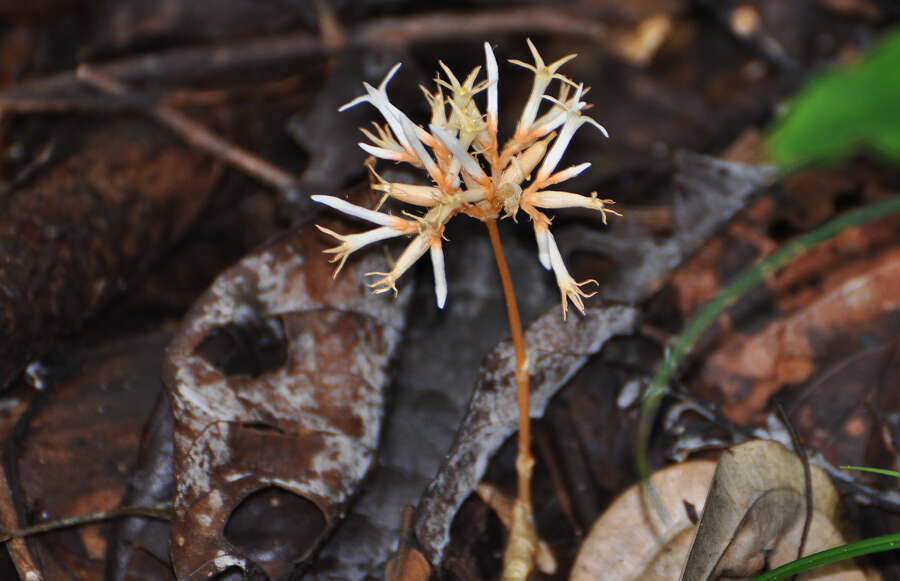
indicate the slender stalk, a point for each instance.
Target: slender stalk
{"x":519,"y":556}
{"x":523,"y":390}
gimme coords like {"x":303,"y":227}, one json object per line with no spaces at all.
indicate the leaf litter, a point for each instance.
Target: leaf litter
{"x":716,"y":105}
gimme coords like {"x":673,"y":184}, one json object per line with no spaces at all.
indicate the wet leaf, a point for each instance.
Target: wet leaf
{"x":277,"y":383}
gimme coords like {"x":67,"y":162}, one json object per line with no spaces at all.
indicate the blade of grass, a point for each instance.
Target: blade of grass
{"x":848,"y":551}
{"x":882,"y":471}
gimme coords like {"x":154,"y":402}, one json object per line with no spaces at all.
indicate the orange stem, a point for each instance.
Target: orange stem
{"x":522,"y":388}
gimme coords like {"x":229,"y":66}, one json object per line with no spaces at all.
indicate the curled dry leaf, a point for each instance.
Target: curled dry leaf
{"x":276,"y":380}
{"x":630,"y":541}
{"x":752,"y":502}
{"x":756,"y":505}
{"x":556,"y":350}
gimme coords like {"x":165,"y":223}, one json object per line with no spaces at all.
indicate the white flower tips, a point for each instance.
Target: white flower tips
{"x":469,"y":172}
{"x":440,"y":277}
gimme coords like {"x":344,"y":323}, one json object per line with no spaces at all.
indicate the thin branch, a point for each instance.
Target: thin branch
{"x":195,"y":133}
{"x":172,"y":66}
{"x":161,"y":511}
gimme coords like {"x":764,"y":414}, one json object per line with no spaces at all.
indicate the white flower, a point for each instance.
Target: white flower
{"x":469,"y":171}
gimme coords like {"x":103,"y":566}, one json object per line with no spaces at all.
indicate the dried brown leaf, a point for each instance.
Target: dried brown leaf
{"x":755,"y":504}
{"x":630,"y":541}
{"x":276,"y":380}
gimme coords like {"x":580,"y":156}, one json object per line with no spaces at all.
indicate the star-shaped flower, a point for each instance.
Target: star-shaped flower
{"x":469,"y":172}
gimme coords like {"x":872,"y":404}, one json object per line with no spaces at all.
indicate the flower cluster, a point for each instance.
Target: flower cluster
{"x":469,"y":172}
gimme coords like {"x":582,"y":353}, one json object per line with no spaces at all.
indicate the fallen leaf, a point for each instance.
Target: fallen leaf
{"x":631,"y":542}
{"x":749,"y":370}
{"x":140,"y":546}
{"x":277,"y":383}
{"x":752,"y":503}
{"x":756,"y":504}
{"x":93,"y":406}
{"x":707,"y":192}
{"x":78,"y":232}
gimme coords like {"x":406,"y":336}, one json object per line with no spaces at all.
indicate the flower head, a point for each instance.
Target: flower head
{"x":470,"y":172}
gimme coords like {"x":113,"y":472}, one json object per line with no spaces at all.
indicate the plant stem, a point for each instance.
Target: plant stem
{"x":523,"y":390}
{"x":521,"y":548}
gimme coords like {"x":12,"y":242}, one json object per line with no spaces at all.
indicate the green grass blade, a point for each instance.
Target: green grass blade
{"x":849,"y":551}
{"x":882,"y":471}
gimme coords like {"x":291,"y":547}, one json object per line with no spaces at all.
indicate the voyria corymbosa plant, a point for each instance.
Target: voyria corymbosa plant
{"x":470,"y":173}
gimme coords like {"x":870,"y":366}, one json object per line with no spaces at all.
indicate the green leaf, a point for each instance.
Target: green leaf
{"x":844,"y":111}
{"x":849,"y":551}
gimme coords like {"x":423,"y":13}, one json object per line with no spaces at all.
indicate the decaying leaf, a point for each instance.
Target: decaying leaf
{"x":276,"y":380}
{"x":93,"y":405}
{"x":630,"y":541}
{"x":556,"y":350}
{"x":76,"y":234}
{"x":139,"y":545}
{"x":856,"y":301}
{"x":756,"y":505}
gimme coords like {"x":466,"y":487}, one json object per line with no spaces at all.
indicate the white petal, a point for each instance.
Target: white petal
{"x":440,"y":276}
{"x":382,"y":153}
{"x":459,"y":152}
{"x":412,"y":138}
{"x":493,"y":78}
{"x":357,"y":211}
{"x":543,"y":234}
{"x":556,"y":261}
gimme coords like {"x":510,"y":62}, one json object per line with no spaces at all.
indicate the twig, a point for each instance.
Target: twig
{"x":18,"y":550}
{"x":162,"y":511}
{"x":195,"y":133}
{"x":576,"y":21}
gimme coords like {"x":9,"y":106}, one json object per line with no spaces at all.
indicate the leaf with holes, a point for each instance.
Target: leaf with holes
{"x":277,"y":383}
